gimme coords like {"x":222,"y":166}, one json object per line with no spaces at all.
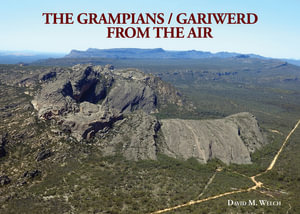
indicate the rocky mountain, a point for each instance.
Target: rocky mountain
{"x":114,"y":108}
{"x":86,"y":99}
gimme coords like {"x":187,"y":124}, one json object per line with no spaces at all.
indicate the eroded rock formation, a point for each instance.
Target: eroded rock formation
{"x":86,"y":99}
{"x":115,"y":106}
{"x":230,"y":140}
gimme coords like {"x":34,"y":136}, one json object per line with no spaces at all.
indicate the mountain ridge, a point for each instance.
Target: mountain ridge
{"x":140,"y":53}
{"x":33,"y":57}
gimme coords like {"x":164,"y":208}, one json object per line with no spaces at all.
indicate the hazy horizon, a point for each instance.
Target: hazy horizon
{"x":65,"y":53}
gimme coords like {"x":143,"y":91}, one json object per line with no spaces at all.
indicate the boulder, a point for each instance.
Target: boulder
{"x":4,"y":180}
{"x":32,"y":174}
{"x":42,"y":155}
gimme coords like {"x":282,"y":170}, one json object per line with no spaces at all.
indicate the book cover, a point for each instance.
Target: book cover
{"x":149,"y":106}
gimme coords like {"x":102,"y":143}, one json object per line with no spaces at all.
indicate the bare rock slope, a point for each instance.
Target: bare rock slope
{"x":230,"y":140}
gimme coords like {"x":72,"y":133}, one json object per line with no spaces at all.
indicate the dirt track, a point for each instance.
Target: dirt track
{"x":258,"y":184}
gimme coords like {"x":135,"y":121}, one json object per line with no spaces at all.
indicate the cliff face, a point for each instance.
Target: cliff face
{"x":86,"y":99}
{"x":230,"y":140}
{"x":113,"y":108}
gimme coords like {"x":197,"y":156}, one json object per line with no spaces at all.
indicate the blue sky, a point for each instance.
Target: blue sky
{"x":276,"y":34}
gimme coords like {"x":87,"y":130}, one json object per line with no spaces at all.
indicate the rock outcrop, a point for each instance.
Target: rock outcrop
{"x":114,"y":107}
{"x":230,"y":140}
{"x":42,"y":155}
{"x":4,"y":180}
{"x":87,"y":99}
{"x":3,"y":141}
{"x":135,"y":137}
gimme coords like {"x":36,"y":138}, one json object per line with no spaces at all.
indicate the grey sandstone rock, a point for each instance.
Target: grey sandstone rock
{"x":42,"y":155}
{"x":89,"y":120}
{"x":113,"y":107}
{"x":4,"y":180}
{"x":130,"y":96}
{"x":32,"y":174}
{"x":135,"y":137}
{"x":230,"y":140}
{"x":47,"y":76}
{"x":86,"y":99}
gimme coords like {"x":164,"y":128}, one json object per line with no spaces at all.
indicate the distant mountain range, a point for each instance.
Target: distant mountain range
{"x":10,"y":57}
{"x":157,"y":53}
{"x":13,"y":57}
